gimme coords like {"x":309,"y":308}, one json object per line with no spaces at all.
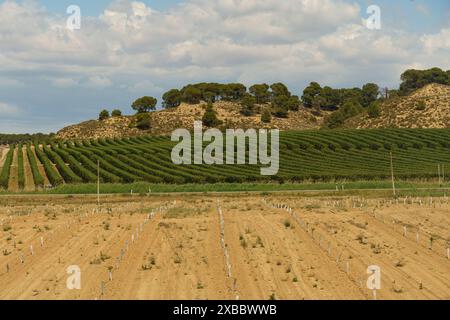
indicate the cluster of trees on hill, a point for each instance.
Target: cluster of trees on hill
{"x":276,"y":99}
{"x":104,"y":114}
{"x":20,"y":138}
{"x":415,"y":79}
{"x":278,"y":95}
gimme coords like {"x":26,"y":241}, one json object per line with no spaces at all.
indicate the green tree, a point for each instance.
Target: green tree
{"x":233,"y":91}
{"x":415,"y":79}
{"x":331,"y":98}
{"x":348,"y":110}
{"x":171,"y":99}
{"x":335,"y":120}
{"x":280,"y":106}
{"x":370,"y":92}
{"x":192,"y":95}
{"x":210,"y":117}
{"x":266,"y":116}
{"x":116,"y":113}
{"x":293,"y":103}
{"x":248,"y":105}
{"x":351,"y":109}
{"x":143,"y":121}
{"x":279,"y":89}
{"x":261,"y":92}
{"x":310,"y":93}
{"x":374,"y":110}
{"x":317,"y":103}
{"x":104,"y":114}
{"x":144,"y":104}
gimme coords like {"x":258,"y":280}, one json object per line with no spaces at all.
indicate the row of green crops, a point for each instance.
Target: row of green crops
{"x":305,"y":156}
{"x":4,"y":175}
{"x":52,"y":174}
{"x":37,"y":177}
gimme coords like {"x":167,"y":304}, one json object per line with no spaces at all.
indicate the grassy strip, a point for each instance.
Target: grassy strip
{"x":143,"y":188}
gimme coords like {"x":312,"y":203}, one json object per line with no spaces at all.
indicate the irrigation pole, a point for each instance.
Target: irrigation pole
{"x":439,"y":174}
{"x":98,"y":183}
{"x":392,"y":174}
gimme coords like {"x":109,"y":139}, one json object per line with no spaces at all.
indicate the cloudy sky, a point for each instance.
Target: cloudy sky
{"x":51,"y":76}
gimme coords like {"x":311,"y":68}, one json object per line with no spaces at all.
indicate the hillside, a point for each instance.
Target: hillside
{"x":407,"y":112}
{"x":165,"y":121}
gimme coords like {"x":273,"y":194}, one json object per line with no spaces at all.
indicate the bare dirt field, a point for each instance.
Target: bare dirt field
{"x":29,"y":181}
{"x":231,"y":247}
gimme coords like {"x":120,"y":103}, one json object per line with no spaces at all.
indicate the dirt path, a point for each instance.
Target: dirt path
{"x":3,"y":152}
{"x":29,"y":181}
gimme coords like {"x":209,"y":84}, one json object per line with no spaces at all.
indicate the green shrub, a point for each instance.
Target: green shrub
{"x":374,"y":110}
{"x":116,"y":113}
{"x":143,"y":121}
{"x":266,"y":116}
{"x":104,"y":114}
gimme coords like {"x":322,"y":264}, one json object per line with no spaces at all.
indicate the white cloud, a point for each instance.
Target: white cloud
{"x":7,"y":109}
{"x":135,"y":48}
{"x":98,"y":82}
{"x":11,"y":83}
{"x":64,"y":82}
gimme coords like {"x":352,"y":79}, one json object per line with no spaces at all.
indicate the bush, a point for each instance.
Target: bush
{"x":104,"y":114}
{"x":248,"y":105}
{"x":143,"y":121}
{"x":266,"y":116}
{"x":210,"y":117}
{"x":420,"y":106}
{"x":116,"y":113}
{"x":374,"y":110}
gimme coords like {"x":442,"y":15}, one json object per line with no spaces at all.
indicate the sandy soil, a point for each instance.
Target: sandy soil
{"x":3,"y":152}
{"x":13,"y":175}
{"x":29,"y":181}
{"x":177,"y":253}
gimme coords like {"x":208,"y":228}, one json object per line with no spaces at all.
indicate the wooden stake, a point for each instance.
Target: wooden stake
{"x":392,"y":174}
{"x":439,"y":174}
{"x":98,"y":183}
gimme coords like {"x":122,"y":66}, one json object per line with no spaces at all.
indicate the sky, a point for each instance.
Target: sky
{"x":51,"y":76}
